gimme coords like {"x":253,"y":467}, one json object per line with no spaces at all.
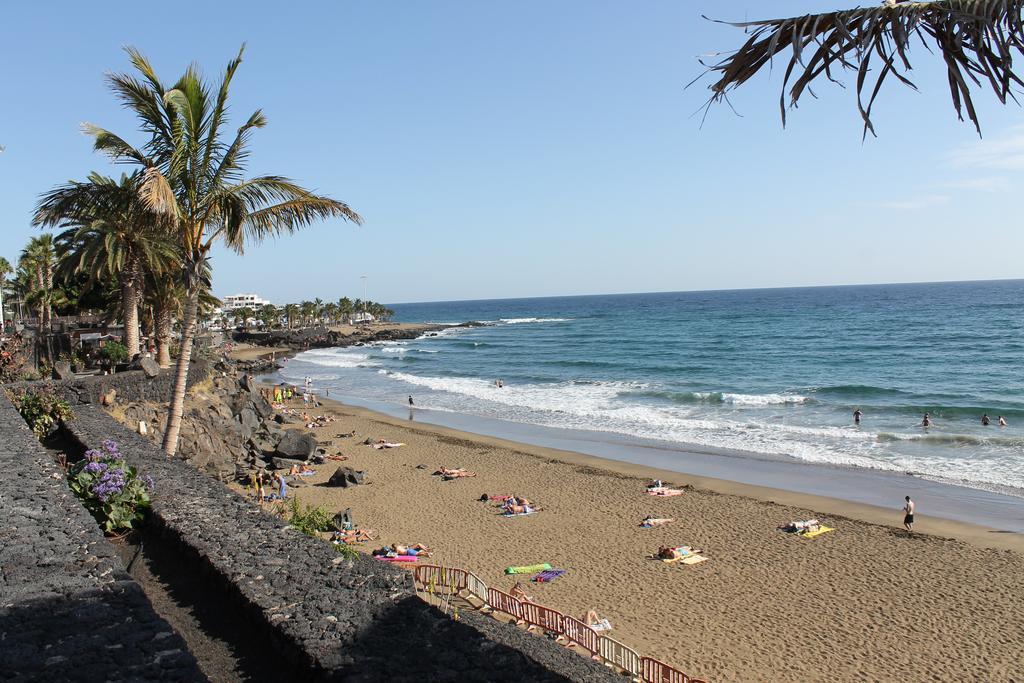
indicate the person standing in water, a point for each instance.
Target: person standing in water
{"x":856,"y":416}
{"x":926,"y":421}
{"x":410,"y":400}
{"x":908,"y":515}
{"x":1002,"y":421}
{"x":985,"y":421}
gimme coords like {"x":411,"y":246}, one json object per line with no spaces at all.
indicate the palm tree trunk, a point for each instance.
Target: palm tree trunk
{"x":188,"y":331}
{"x":130,"y":306}
{"x":162,"y":322}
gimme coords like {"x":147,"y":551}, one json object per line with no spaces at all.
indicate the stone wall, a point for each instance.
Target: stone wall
{"x":68,"y":609}
{"x":133,"y":385}
{"x":329,"y":618}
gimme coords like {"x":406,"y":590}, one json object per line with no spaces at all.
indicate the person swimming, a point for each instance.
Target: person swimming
{"x":1002,"y":421}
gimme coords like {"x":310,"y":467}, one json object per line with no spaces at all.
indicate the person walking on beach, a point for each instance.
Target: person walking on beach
{"x":985,"y":421}
{"x":908,"y":515}
{"x":856,"y":416}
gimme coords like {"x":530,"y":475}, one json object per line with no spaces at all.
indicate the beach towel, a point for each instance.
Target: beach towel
{"x":397,"y":558}
{"x":518,"y":514}
{"x":548,"y":575}
{"x":814,"y":534}
{"x":528,"y":569}
{"x":694,"y":559}
{"x":603,"y":625}
{"x":665,"y":492}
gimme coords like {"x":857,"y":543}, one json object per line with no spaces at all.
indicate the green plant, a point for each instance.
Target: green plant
{"x":309,"y":520}
{"x":114,"y":352}
{"x":110,"y":488}
{"x":346,"y":551}
{"x":41,"y":410}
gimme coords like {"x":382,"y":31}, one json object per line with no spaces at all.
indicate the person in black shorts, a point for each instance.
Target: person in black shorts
{"x":908,"y":515}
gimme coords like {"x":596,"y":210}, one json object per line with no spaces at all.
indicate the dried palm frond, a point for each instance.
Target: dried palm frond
{"x":976,"y":38}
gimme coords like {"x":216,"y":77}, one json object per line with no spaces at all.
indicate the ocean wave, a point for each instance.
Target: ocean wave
{"x":726,"y":398}
{"x":861,"y":390}
{"x":336,"y":358}
{"x":520,"y":321}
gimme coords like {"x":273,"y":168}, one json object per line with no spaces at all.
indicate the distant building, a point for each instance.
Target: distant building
{"x":236,"y":301}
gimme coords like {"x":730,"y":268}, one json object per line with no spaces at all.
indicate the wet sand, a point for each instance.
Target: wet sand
{"x":865,"y":602}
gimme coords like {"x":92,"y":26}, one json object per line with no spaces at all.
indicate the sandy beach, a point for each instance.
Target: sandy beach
{"x":865,"y":602}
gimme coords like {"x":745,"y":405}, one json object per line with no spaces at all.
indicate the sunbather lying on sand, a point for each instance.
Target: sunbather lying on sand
{"x":386,"y":444}
{"x":354,"y":535}
{"x":415,"y":549}
{"x":801,"y":527}
{"x":519,"y":509}
{"x":516,"y":500}
{"x":302,"y":470}
{"x":656,"y":484}
{"x":518,"y":593}
{"x":677,"y":553}
{"x":651,"y":521}
{"x":455,"y":473}
{"x":593,"y":621}
{"x":337,"y":456}
{"x":344,"y":435}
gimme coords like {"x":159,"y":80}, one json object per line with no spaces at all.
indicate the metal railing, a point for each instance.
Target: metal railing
{"x":436,"y":579}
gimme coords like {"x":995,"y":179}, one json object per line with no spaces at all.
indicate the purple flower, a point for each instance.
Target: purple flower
{"x":110,"y":446}
{"x":148,"y":482}
{"x":92,"y":455}
{"x":94,"y":467}
{"x":110,"y":483}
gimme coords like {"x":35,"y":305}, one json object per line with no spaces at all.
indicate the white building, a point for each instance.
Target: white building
{"x":250,"y":301}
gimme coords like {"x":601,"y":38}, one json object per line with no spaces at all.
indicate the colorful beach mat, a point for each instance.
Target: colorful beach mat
{"x":814,"y":534}
{"x":548,"y":575}
{"x":528,"y":569}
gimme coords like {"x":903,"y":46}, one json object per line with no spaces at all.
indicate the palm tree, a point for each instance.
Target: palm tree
{"x":5,"y":270}
{"x":308,"y":309}
{"x":291,"y":311}
{"x":331,"y":312}
{"x":243,"y":314}
{"x":268,"y":315}
{"x":978,"y":40}
{"x":345,"y":308}
{"x":194,"y":175}
{"x":109,"y":234}
{"x":319,"y":308}
{"x":39,"y":261}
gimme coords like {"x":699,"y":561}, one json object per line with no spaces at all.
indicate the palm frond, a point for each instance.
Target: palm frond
{"x":976,"y":38}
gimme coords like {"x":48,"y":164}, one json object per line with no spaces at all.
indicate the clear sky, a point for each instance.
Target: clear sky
{"x":531,"y":148}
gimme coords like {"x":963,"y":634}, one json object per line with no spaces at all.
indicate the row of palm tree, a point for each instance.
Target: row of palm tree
{"x":307,"y":313}
{"x":153,"y":230}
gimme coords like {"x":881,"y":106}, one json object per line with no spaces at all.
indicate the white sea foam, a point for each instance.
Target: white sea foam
{"x":762,"y":399}
{"x":519,"y":321}
{"x":336,"y":358}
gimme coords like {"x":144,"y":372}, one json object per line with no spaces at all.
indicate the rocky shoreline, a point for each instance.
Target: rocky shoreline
{"x":323,"y":337}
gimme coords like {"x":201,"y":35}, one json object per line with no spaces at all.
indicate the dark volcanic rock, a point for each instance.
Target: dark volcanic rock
{"x":346,"y":476}
{"x":296,"y":445}
{"x":62,"y":370}
{"x":149,"y":366}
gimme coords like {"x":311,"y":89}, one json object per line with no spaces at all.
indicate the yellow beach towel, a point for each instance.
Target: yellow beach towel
{"x":694,"y":559}
{"x":819,"y":532}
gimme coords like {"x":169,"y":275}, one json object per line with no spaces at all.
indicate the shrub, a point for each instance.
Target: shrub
{"x":110,"y":488}
{"x":309,"y":520}
{"x":114,"y":352}
{"x":41,"y":410}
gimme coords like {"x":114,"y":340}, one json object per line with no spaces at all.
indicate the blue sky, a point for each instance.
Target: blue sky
{"x":532,"y":148}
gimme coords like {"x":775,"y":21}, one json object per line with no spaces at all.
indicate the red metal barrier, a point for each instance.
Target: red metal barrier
{"x":503,"y":602}
{"x":580,"y":634}
{"x":654,"y":671}
{"x":432,"y":576}
{"x":542,"y":617}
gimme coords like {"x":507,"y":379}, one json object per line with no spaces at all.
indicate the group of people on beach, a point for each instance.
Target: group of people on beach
{"x":927,"y":420}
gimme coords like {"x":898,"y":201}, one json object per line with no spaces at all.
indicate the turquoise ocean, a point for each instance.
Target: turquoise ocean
{"x":772,"y":374}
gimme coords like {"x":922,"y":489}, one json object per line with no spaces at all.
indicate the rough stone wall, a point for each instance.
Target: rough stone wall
{"x":328,"y":617}
{"x":68,"y":610}
{"x":133,"y":385}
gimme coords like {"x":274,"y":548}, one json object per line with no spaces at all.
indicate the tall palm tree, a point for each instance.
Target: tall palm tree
{"x":242,"y":315}
{"x":291,"y":311}
{"x":318,"y":305}
{"x":39,"y":261}
{"x":308,"y":310}
{"x":110,"y":234}
{"x":5,"y":270}
{"x":345,"y":308}
{"x":268,"y":315}
{"x":195,"y":175}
